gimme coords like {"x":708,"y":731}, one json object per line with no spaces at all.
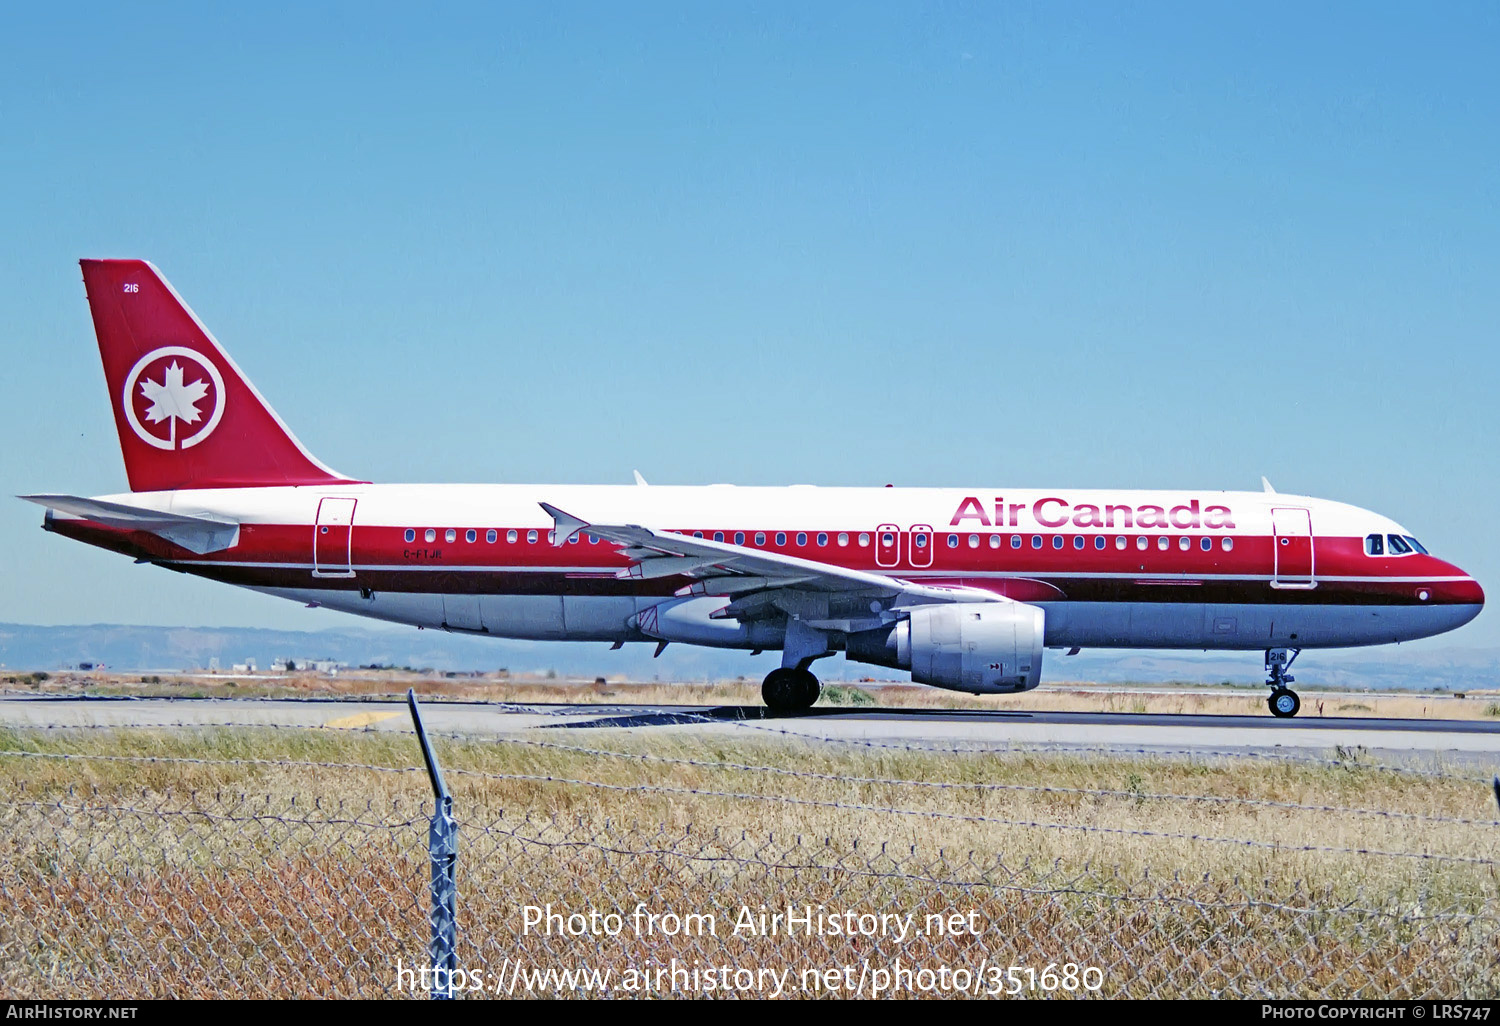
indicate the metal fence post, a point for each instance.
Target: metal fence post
{"x":442,"y":846}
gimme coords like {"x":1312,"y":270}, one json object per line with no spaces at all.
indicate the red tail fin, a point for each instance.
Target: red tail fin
{"x":186,"y":415}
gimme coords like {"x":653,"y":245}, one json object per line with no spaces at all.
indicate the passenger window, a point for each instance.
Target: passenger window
{"x":822,"y":538}
{"x":920,"y":538}
{"x":490,"y":536}
{"x":530,"y":537}
{"x":1036,"y":541}
{"x":973,"y":541}
{"x":864,"y":539}
{"x":1206,"y":544}
{"x":780,"y":537}
{"x":1057,"y":541}
{"x":450,"y":535}
{"x":697,"y":534}
{"x":1228,"y":544}
{"x":1374,"y":545}
{"x":953,"y":541}
{"x":429,"y":535}
{"x":739,"y":537}
{"x":843,"y":538}
{"x":801,"y":537}
{"x":718,"y":536}
{"x":411,"y":535}
{"x":573,"y":538}
{"x":1099,"y":542}
{"x":1015,"y":541}
{"x":1398,"y":546}
{"x":511,"y":536}
{"x":551,"y":537}
{"x":1078,"y":541}
{"x":1120,"y":541}
{"x":471,"y":536}
{"x":1142,"y":542}
{"x":593,"y":540}
{"x":760,"y":537}
{"x":994,"y":541}
{"x":1184,"y":543}
{"x":1164,"y":543}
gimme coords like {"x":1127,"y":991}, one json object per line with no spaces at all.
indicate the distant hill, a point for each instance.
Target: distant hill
{"x":125,"y":647}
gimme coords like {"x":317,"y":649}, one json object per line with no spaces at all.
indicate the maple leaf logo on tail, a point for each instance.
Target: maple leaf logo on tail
{"x":173,"y":398}
{"x":173,"y":401}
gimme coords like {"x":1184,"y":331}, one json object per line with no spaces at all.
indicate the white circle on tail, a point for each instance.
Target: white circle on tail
{"x":171,"y":384}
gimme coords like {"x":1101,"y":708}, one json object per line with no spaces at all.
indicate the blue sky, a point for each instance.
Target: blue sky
{"x":1005,"y":244}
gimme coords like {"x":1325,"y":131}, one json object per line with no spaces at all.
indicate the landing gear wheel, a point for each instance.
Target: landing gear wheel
{"x":1284,"y":702}
{"x":787,"y":691}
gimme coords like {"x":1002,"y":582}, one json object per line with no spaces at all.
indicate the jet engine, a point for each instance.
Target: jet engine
{"x":979,"y":647}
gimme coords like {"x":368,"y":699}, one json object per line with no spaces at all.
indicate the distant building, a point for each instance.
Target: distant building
{"x":282,"y":664}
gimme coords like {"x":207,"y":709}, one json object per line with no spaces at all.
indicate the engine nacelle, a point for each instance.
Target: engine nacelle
{"x":979,"y":647}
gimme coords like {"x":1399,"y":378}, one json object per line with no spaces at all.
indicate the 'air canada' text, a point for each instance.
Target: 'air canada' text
{"x":1055,"y":512}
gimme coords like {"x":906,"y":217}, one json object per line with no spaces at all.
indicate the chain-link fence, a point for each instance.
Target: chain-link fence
{"x":737,"y":878}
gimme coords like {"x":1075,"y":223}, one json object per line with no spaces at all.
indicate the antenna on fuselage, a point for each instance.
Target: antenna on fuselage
{"x":638,"y":478}
{"x":1266,"y":485}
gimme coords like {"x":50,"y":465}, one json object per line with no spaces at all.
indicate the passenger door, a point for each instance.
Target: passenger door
{"x":333,"y":538}
{"x":1292,"y":538}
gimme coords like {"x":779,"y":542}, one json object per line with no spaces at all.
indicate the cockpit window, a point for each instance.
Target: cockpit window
{"x":1375,"y":545}
{"x":1415,"y":544}
{"x":1398,"y":545}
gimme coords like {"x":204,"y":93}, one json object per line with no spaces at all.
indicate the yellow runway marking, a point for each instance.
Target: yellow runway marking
{"x":365,"y":719}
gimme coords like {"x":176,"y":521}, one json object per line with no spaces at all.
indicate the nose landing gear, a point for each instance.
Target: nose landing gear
{"x":1283,"y":701}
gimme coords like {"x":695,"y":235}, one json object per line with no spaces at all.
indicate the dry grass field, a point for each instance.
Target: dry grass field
{"x":250,"y":861}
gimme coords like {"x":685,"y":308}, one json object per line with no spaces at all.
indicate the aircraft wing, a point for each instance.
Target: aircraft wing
{"x":741,"y":572}
{"x":196,"y":534}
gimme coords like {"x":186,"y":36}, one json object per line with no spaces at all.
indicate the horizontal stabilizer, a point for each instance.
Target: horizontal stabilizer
{"x":196,"y":534}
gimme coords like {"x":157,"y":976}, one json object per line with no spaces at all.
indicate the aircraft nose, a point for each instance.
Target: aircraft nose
{"x":1467,"y":591}
{"x":1462,"y":599}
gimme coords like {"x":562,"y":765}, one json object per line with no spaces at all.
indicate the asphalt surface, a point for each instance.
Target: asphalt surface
{"x":978,"y":728}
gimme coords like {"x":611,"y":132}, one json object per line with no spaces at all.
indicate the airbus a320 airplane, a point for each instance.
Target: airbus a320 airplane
{"x":963,"y":587}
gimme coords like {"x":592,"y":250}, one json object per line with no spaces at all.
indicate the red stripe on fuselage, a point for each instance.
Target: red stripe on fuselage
{"x":280,"y":555}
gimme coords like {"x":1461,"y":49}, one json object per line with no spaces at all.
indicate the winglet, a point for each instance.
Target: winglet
{"x":638,"y":478}
{"x":1266,"y":485}
{"x":566,"y":524}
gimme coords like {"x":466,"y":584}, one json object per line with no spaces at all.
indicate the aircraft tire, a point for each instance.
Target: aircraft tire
{"x":1284,"y":703}
{"x":789,"y":691}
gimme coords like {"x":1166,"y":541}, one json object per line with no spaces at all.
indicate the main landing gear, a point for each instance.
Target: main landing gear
{"x":1283,"y":701}
{"x":789,"y":690}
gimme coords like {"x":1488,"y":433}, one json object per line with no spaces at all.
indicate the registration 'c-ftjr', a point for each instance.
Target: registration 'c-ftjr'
{"x":962,"y":587}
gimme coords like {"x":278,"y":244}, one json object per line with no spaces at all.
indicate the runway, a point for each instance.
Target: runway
{"x":967,"y":728}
